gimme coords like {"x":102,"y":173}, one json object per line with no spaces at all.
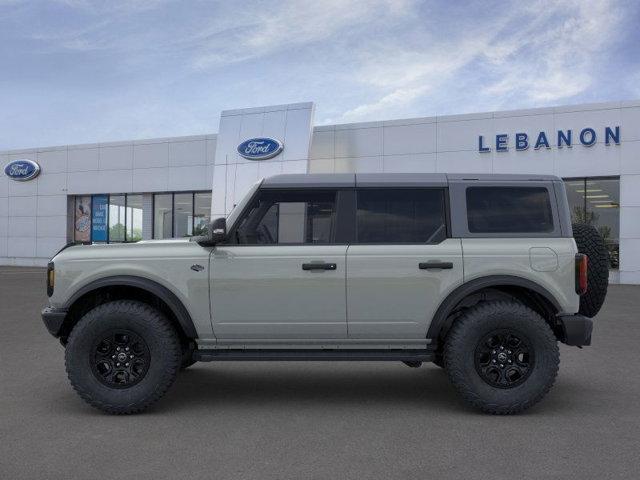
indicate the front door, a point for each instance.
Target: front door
{"x":281,"y":275}
{"x":401,"y":264}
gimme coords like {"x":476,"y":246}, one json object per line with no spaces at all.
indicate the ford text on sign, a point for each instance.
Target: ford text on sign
{"x":22,"y":170}
{"x":260,"y":148}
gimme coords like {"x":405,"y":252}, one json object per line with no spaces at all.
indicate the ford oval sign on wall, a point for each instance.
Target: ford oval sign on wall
{"x":260,"y":148}
{"x":22,"y":170}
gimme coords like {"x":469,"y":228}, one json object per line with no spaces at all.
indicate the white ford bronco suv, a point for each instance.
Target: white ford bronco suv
{"x":481,"y":274}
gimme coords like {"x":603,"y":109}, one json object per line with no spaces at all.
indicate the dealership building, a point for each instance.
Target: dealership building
{"x":171,"y":187}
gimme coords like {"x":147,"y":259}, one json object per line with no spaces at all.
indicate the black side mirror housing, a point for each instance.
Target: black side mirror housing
{"x":216,"y":233}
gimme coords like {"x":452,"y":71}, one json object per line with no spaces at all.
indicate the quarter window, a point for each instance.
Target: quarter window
{"x":289,"y":217}
{"x":400,"y":216}
{"x":509,"y":210}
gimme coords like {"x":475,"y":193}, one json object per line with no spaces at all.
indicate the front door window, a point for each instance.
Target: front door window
{"x":289,"y":218}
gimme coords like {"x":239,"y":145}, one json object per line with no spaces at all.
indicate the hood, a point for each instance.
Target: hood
{"x":143,"y":248}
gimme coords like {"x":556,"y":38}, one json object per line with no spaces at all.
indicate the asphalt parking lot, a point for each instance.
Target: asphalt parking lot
{"x":316,"y":420}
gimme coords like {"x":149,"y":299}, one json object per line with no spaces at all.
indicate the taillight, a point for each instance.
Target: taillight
{"x":51,"y":278}
{"x":581,"y":273}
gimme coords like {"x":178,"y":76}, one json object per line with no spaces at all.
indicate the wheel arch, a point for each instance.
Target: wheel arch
{"x":131,"y":287}
{"x":531,"y":293}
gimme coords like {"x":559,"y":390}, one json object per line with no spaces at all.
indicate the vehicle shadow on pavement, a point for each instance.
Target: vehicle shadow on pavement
{"x":265,"y":385}
{"x":312,"y":385}
{"x":285,"y":383}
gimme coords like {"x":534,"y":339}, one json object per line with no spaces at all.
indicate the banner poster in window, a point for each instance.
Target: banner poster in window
{"x":82,"y":222}
{"x":99,"y":213}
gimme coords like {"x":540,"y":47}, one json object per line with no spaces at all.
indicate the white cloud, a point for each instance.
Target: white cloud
{"x":543,"y":51}
{"x":555,"y":63}
{"x":161,"y":68}
{"x":288,"y":24}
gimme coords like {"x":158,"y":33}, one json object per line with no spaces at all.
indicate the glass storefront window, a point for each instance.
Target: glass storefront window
{"x":117,"y":218}
{"x":82,"y":219}
{"x":182,"y":215}
{"x":162,"y":215}
{"x":596,"y":202}
{"x":134,"y":218}
{"x":201,"y":212}
{"x":105,"y":218}
{"x":99,"y":217}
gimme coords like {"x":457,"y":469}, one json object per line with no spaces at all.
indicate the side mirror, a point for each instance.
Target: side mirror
{"x":216,"y":233}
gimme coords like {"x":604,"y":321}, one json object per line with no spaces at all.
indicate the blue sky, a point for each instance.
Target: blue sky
{"x":76,"y":71}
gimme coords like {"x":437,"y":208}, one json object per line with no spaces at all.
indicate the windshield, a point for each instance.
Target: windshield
{"x":238,"y":207}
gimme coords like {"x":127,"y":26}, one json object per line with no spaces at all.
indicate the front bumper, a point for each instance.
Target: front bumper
{"x":53,"y":319}
{"x":575,"y":329}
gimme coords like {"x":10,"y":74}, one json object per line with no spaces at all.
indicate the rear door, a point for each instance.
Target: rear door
{"x":401,"y":264}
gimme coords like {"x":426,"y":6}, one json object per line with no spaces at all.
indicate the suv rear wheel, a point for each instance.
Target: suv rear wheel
{"x":502,"y":357}
{"x":122,"y":356}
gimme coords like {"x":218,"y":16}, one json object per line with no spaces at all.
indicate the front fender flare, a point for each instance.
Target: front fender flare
{"x":160,"y":291}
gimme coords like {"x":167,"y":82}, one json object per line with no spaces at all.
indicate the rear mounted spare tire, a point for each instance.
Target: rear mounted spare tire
{"x":591,"y":243}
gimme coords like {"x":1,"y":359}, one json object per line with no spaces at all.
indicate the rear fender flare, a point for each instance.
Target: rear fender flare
{"x":439,"y":321}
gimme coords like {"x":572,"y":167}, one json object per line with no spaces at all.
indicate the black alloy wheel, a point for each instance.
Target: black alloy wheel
{"x":122,"y":356}
{"x":120,"y":359}
{"x":504,"y":358}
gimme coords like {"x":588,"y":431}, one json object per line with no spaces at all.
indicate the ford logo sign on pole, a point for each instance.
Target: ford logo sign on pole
{"x":260,"y":148}
{"x":22,"y":170}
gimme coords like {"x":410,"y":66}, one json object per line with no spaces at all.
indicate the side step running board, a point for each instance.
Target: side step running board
{"x":314,"y":355}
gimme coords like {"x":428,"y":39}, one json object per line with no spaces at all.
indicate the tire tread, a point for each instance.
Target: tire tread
{"x":164,"y":329}
{"x":457,"y":376}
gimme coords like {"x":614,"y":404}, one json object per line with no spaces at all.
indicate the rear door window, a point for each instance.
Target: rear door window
{"x":401,"y":215}
{"x":509,"y":210}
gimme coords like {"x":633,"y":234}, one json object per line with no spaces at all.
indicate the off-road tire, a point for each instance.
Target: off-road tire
{"x":460,"y":356}
{"x":591,"y":243}
{"x":438,"y":360}
{"x":164,"y":355}
{"x":187,"y":357}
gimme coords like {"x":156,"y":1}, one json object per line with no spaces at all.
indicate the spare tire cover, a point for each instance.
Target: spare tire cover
{"x":591,"y":243}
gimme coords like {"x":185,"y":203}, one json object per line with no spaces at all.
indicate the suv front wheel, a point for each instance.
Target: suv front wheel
{"x":122,"y":356}
{"x":502,"y":357}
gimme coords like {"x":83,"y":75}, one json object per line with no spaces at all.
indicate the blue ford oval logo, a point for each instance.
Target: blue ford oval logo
{"x":22,"y":170}
{"x":260,"y":148}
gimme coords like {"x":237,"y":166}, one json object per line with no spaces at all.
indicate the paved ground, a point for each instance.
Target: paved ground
{"x":316,"y":420}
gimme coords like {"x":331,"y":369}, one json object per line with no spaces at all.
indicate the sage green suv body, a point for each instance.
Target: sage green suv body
{"x":330,"y":267}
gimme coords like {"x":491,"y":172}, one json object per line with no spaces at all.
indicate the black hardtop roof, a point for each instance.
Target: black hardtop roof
{"x":344,"y":180}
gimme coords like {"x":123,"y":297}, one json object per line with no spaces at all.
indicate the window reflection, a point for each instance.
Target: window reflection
{"x":117,"y":214}
{"x":117,"y":218}
{"x":201,"y":212}
{"x":596,"y":202}
{"x":163,"y":215}
{"x":134,"y":218}
{"x":182,"y":215}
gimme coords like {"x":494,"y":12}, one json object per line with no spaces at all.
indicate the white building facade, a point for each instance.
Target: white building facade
{"x":171,"y":187}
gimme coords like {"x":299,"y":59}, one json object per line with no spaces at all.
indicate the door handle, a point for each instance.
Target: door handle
{"x":319,"y":266}
{"x":435,"y":265}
